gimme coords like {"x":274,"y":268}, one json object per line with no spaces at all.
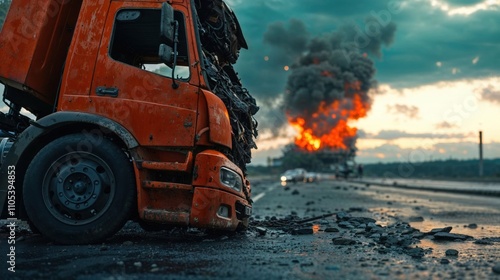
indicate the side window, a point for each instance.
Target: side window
{"x":136,"y":42}
{"x":4,"y":10}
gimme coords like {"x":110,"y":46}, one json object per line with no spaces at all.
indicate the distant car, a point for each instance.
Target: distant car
{"x":294,"y":175}
{"x":312,"y":177}
{"x":345,"y":170}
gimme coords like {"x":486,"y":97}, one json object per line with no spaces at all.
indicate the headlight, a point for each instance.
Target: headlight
{"x":231,"y":179}
{"x":283,"y":179}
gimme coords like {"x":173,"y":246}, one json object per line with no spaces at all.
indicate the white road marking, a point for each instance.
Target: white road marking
{"x":258,"y":197}
{"x":261,"y":195}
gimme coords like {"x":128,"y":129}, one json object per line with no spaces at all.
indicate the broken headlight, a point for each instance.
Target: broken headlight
{"x":231,"y":179}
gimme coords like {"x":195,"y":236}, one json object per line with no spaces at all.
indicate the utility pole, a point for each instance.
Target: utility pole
{"x":480,"y":154}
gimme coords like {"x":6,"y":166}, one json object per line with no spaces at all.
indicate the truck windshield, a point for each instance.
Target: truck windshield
{"x":136,"y":42}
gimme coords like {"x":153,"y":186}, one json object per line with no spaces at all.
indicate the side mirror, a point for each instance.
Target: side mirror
{"x":167,"y":28}
{"x":166,"y":54}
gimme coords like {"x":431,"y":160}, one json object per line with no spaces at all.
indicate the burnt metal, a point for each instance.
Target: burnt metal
{"x":222,"y":39}
{"x":220,"y":30}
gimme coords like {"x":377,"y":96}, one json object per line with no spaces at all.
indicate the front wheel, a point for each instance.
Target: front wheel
{"x":79,"y":189}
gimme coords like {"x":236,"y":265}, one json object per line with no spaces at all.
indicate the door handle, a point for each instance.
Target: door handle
{"x":103,"y":91}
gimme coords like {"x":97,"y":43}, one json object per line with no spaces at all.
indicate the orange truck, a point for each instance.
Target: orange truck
{"x":112,"y":116}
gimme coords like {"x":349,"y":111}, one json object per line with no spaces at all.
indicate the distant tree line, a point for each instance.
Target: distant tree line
{"x":453,"y":169}
{"x":435,"y":169}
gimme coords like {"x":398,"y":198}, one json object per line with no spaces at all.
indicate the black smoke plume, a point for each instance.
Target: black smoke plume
{"x":328,"y":69}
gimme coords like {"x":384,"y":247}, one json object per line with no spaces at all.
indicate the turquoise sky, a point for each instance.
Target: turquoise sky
{"x":445,"y":56}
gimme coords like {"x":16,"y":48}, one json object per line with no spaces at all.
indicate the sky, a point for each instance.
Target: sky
{"x":438,"y":72}
{"x":438,"y":76}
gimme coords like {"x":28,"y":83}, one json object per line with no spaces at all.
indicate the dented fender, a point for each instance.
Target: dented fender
{"x":220,"y":125}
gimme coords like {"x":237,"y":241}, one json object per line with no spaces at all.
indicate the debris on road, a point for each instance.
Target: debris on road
{"x":496,"y":269}
{"x":451,"y":236}
{"x":343,"y":241}
{"x":302,"y":231}
{"x":399,"y":237}
{"x":262,"y":231}
{"x":437,"y":230}
{"x":451,"y":252}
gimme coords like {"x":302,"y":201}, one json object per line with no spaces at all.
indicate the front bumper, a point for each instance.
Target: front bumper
{"x":215,"y":205}
{"x":206,"y":210}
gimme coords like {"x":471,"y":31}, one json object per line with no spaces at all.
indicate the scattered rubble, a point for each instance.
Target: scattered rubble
{"x":445,"y":261}
{"x":262,"y":231}
{"x":451,"y":252}
{"x":399,"y":237}
{"x":343,"y":241}
{"x":302,"y":231}
{"x":496,"y":269}
{"x":451,"y":236}
{"x":416,"y":219}
{"x":437,"y":230}
{"x":487,"y":241}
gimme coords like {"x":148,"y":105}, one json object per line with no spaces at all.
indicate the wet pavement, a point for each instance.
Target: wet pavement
{"x":325,"y":230}
{"x":472,"y":187}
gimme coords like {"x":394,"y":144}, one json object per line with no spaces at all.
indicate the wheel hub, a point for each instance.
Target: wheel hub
{"x":78,"y":186}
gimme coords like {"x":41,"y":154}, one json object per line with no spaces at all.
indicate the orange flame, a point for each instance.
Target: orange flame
{"x":312,"y":134}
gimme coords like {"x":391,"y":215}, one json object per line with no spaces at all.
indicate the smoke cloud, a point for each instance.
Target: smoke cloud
{"x":330,"y":72}
{"x":291,"y":40}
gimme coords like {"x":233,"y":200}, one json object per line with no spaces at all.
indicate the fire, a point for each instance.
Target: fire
{"x":329,"y":127}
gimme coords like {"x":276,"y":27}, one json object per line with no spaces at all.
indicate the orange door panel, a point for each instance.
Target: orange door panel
{"x":125,"y":90}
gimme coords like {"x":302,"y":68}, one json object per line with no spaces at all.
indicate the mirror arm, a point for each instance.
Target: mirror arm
{"x":176,"y":43}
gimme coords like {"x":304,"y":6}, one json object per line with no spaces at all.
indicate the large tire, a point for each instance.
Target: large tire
{"x":79,"y":189}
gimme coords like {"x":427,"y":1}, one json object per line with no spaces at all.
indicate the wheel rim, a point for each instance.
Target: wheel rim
{"x":78,"y":188}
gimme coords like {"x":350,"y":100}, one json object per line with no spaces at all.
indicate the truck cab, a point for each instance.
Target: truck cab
{"x":123,"y":122}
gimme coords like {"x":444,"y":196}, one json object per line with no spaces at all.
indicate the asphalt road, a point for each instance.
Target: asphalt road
{"x":366,"y":232}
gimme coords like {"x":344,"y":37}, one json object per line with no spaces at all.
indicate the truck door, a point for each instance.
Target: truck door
{"x":132,"y":86}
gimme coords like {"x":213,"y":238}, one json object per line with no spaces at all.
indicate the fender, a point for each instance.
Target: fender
{"x":34,"y":138}
{"x":220,"y":125}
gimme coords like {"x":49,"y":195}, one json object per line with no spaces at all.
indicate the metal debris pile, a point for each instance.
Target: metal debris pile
{"x":222,"y":40}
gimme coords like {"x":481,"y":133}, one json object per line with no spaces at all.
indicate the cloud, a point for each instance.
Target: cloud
{"x":464,"y":7}
{"x":411,"y":112}
{"x":491,"y":94}
{"x":461,"y":3}
{"x":440,"y":48}
{"x":398,"y":134}
{"x":445,"y":125}
{"x":271,"y":117}
{"x":454,"y":41}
